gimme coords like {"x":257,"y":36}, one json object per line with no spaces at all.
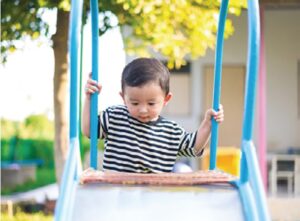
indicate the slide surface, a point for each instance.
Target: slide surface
{"x":145,"y":203}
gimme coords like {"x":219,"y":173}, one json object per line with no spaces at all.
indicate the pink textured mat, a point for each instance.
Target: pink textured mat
{"x":199,"y":177}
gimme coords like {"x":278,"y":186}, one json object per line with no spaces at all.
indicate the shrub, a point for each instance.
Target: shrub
{"x":28,"y":149}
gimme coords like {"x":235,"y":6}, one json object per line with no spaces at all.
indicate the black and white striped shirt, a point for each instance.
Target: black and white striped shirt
{"x":133,"y":146}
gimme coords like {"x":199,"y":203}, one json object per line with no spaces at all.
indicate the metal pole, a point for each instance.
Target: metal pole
{"x":217,"y":82}
{"x":94,"y":97}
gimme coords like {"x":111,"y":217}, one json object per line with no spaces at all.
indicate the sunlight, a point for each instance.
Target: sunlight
{"x":27,"y":77}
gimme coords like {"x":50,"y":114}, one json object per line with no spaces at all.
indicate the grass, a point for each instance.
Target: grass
{"x":21,"y":216}
{"x":44,"y":176}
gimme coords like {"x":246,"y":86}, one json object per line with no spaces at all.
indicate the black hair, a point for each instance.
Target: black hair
{"x":144,"y":70}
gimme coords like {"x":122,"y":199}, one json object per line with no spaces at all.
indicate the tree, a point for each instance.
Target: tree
{"x":22,"y":18}
{"x":173,"y":28}
{"x":38,"y":126}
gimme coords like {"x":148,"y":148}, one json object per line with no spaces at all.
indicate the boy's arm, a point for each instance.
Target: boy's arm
{"x":204,"y":131}
{"x":90,"y":88}
{"x":85,"y":118}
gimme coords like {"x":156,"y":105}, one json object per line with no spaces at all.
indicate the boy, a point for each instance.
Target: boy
{"x":137,"y":138}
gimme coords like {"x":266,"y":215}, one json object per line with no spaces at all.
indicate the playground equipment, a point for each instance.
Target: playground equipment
{"x":239,"y":199}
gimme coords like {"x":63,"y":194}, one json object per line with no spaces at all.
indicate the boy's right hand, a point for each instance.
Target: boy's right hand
{"x":91,"y":87}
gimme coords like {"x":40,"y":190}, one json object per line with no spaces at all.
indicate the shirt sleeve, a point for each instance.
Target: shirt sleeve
{"x":103,"y":124}
{"x":187,"y":145}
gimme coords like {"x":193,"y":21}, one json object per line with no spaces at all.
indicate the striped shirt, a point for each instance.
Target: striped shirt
{"x":133,"y":146}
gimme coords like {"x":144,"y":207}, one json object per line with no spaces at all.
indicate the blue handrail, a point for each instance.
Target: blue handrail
{"x":217,"y":83}
{"x":70,"y":176}
{"x":94,"y":97}
{"x":248,"y":201}
{"x":249,"y":167}
{"x":252,"y":67}
{"x":74,"y":39}
{"x":250,"y":185}
{"x":73,"y":163}
{"x":251,"y":81}
{"x":255,"y":180}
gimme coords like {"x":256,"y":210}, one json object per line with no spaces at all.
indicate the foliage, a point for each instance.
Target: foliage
{"x":173,"y":28}
{"x":23,"y":19}
{"x":36,"y":149}
{"x":15,"y":24}
{"x":32,"y":139}
{"x":21,"y":216}
{"x":28,"y":149}
{"x":8,"y":128}
{"x":34,"y":126}
{"x":39,"y":126}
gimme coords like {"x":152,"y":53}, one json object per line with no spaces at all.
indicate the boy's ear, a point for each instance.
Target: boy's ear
{"x":168,"y":98}
{"x":122,"y":95}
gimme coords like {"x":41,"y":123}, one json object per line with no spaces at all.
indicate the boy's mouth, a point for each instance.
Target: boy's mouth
{"x":144,"y":119}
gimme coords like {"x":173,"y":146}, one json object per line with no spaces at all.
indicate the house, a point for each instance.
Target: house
{"x":192,"y":86}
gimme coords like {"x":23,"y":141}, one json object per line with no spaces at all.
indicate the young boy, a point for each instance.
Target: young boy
{"x":137,"y":138}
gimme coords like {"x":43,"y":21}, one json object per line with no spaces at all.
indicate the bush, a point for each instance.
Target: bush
{"x":39,"y":126}
{"x":34,"y":127}
{"x":31,"y":140}
{"x":28,"y":149}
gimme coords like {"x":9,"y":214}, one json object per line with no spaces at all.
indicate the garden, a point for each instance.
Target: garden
{"x":25,"y":144}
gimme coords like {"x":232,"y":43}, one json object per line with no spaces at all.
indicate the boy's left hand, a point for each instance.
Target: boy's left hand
{"x":217,"y":115}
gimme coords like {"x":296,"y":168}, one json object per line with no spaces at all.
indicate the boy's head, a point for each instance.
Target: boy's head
{"x":145,"y":88}
{"x":142,"y":71}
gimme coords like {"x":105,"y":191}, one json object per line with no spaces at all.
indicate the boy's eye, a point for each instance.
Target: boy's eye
{"x":152,"y":103}
{"x":134,"y":103}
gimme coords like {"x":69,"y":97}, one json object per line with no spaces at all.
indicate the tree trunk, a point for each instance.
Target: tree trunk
{"x":60,"y":47}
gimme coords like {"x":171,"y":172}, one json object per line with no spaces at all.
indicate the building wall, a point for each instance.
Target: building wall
{"x":282,"y":39}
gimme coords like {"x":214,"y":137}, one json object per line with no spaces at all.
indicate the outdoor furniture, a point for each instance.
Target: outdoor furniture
{"x":18,"y":172}
{"x":285,"y":167}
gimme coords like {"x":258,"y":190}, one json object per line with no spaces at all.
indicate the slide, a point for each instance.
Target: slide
{"x":96,"y":202}
{"x":200,"y":195}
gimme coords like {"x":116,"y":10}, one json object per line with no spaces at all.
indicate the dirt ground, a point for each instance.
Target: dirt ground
{"x":284,"y":208}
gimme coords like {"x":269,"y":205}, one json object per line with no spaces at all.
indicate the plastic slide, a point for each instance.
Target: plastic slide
{"x":240,"y":199}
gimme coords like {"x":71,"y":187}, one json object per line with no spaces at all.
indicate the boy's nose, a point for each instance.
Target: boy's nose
{"x":143,"y":109}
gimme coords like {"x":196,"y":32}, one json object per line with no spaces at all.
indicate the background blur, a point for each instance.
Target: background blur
{"x":28,"y":145}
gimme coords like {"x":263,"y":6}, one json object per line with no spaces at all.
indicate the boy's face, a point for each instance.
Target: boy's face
{"x":145,"y":103}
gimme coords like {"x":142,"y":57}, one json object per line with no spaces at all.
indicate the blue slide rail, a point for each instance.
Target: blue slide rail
{"x":217,"y":83}
{"x":94,"y":97}
{"x":72,"y":168}
{"x":250,"y":172}
{"x":249,"y":185}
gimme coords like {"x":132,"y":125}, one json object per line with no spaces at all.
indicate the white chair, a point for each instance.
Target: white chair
{"x":297,"y":175}
{"x":291,"y":175}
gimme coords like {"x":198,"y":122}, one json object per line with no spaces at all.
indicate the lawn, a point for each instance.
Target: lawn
{"x":21,"y":216}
